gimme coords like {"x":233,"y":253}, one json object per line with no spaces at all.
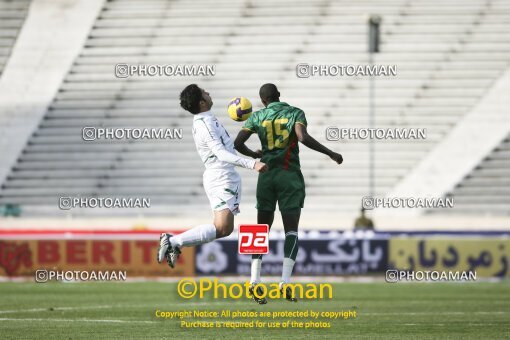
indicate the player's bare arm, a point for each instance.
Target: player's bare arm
{"x":310,"y":142}
{"x":240,"y":146}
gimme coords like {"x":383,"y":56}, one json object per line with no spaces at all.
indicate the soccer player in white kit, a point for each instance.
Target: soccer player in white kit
{"x":222,"y":183}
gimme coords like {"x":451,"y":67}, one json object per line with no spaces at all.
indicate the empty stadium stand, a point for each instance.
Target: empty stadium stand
{"x":448,"y":54}
{"x":12,"y":15}
{"x":487,"y":188}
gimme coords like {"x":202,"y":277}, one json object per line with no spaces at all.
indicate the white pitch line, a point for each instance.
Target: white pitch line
{"x":218,"y":302}
{"x":50,"y":310}
{"x":53,"y":309}
{"x":78,"y":320}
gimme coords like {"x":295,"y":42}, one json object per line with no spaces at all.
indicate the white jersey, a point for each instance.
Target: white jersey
{"x":215,"y":146}
{"x":222,"y":183}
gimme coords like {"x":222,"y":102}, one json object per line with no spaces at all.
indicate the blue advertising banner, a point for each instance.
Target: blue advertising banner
{"x":325,"y":256}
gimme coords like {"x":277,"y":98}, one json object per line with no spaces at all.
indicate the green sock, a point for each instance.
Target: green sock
{"x":290,"y":247}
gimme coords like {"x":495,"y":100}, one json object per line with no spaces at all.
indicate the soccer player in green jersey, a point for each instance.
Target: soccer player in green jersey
{"x":280,"y":127}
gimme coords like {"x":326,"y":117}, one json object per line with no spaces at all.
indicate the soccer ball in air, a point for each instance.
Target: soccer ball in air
{"x":239,"y":109}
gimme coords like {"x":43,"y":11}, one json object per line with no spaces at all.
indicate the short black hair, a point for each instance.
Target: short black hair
{"x":190,"y":98}
{"x":269,"y":93}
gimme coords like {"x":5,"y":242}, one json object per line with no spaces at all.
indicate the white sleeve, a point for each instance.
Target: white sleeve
{"x":210,"y":136}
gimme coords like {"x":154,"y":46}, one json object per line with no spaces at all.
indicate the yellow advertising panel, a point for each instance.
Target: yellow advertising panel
{"x":136,"y":257}
{"x":489,"y":257}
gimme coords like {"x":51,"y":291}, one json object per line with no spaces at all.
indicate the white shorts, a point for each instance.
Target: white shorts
{"x":223,"y":188}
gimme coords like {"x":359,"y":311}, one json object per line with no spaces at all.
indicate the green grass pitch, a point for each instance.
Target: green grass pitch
{"x":127,"y":311}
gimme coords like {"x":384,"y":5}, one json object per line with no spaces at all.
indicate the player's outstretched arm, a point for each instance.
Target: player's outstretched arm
{"x":240,"y":146}
{"x":225,"y":156}
{"x":311,"y":143}
{"x":214,"y":142}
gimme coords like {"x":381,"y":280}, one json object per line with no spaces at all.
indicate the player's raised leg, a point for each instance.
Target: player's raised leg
{"x":223,"y":226}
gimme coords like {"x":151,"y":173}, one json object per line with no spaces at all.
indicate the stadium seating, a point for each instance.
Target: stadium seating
{"x":12,"y":15}
{"x":448,"y":53}
{"x":487,"y":188}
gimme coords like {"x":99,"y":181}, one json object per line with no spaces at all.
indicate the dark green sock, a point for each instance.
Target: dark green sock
{"x":290,"y":247}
